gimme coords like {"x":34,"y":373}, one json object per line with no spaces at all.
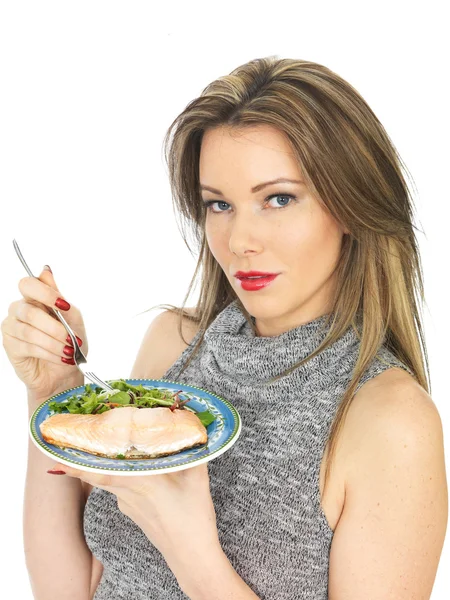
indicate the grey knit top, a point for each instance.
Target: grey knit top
{"x":266,"y":487}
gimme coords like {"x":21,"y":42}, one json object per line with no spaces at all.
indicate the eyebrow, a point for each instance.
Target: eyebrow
{"x":255,"y":189}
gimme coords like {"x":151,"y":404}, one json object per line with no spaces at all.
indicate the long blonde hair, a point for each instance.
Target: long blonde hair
{"x":349,"y":163}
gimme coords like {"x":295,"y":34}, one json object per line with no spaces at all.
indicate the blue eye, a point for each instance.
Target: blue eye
{"x":281,"y":196}
{"x":208,"y":203}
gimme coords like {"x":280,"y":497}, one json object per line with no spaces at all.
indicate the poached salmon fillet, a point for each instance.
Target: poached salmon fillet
{"x":130,"y":431}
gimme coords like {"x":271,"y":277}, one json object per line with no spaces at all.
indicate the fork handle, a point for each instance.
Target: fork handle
{"x":66,"y":325}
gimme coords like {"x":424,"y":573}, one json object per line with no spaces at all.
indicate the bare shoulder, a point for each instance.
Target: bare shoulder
{"x":390,"y":396}
{"x":162,"y":344}
{"x":391,"y":404}
{"x":394,"y":517}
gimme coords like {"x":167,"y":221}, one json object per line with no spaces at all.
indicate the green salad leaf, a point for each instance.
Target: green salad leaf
{"x":96,"y":400}
{"x":206,"y":417}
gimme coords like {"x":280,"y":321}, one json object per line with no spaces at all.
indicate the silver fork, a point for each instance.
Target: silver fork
{"x":78,"y":356}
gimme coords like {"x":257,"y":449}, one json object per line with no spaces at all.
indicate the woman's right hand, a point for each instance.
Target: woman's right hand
{"x":34,"y":338}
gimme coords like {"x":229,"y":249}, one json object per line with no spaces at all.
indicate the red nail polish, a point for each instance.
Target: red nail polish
{"x":69,"y":341}
{"x":62,"y":304}
{"x":68,"y":361}
{"x":55,"y":472}
{"x":68,"y":350}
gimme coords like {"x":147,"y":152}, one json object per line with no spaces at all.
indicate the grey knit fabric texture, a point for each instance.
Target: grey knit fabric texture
{"x":266,"y":487}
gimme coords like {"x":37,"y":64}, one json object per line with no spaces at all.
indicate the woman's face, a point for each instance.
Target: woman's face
{"x":248,"y":231}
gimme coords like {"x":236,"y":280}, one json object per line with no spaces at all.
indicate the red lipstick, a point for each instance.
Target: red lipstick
{"x":260,"y":280}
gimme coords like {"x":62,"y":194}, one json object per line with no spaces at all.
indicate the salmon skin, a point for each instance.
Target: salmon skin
{"x":130,"y":431}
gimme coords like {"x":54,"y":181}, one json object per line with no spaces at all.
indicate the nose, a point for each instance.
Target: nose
{"x":245,"y":236}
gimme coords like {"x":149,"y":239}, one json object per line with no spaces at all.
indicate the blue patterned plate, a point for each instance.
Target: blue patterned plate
{"x":222,"y":434}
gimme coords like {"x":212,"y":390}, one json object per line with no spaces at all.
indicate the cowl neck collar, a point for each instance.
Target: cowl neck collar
{"x":243,"y":355}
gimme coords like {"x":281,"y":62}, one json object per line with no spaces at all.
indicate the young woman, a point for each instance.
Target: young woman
{"x":336,"y":487}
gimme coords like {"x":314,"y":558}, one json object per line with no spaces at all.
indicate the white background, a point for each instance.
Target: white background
{"x":88,"y":90}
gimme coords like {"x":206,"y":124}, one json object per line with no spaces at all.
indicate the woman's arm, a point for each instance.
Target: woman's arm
{"x":389,"y":538}
{"x":209,"y":575}
{"x":58,"y":560}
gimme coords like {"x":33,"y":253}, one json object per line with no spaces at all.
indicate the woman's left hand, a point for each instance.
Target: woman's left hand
{"x":174,"y":510}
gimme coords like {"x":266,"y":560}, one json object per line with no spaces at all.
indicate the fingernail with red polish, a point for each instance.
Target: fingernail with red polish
{"x":68,"y":350}
{"x":69,"y":340}
{"x":68,"y":361}
{"x":55,"y":472}
{"x":62,"y":304}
